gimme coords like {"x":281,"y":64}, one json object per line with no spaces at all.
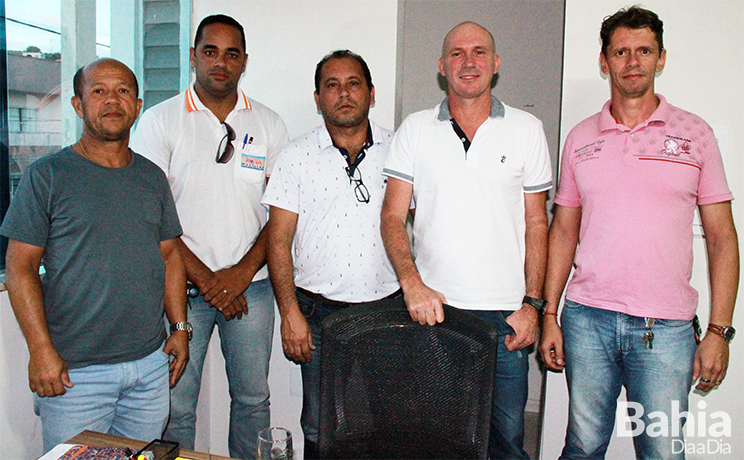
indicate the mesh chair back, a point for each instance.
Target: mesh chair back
{"x":392,"y":388}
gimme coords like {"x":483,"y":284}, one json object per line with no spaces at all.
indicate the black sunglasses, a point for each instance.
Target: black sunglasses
{"x":226,"y":154}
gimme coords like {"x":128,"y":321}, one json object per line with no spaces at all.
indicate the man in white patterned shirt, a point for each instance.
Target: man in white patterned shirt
{"x":325,"y":196}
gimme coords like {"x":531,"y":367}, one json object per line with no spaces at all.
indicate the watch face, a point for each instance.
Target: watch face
{"x":728,"y":333}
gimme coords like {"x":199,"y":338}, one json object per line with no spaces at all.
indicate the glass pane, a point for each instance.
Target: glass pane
{"x":33,"y":82}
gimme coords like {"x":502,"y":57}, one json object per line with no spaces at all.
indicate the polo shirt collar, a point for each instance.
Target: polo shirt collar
{"x":193,"y":103}
{"x":325,"y":141}
{"x":497,"y":109}
{"x":660,"y":115}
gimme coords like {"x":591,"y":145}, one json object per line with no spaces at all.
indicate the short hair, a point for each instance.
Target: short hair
{"x":634,"y":17}
{"x":341,"y":54}
{"x":78,"y":80}
{"x":218,"y":19}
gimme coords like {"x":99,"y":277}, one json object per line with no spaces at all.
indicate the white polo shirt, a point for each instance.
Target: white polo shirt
{"x":219,"y":204}
{"x":469,"y":229}
{"x":338,"y":250}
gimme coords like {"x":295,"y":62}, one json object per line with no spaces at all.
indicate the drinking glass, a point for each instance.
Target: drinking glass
{"x":274,"y":443}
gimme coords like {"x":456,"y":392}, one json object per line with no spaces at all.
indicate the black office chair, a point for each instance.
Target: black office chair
{"x":394,"y":389}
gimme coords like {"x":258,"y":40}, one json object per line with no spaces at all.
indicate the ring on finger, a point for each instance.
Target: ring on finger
{"x":704,"y":380}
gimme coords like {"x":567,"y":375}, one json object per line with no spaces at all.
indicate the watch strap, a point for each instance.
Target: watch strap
{"x":537,"y":303}
{"x":726,"y":332}
{"x":182,"y":326}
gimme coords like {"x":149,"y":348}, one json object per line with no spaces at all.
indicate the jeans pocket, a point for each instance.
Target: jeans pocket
{"x":503,"y":326}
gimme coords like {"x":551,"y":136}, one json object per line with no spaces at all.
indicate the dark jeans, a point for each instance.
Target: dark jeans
{"x":506,"y":439}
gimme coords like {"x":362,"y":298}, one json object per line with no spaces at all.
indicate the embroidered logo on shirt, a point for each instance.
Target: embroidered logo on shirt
{"x":674,"y":146}
{"x":589,"y":151}
{"x":503,"y":158}
{"x":252,"y":162}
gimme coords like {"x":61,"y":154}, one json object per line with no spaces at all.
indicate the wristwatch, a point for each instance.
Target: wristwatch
{"x":182,"y":326}
{"x":727,"y":332}
{"x":537,"y":303}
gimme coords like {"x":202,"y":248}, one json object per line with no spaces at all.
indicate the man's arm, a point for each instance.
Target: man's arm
{"x":525,"y":320}
{"x":174,"y":302}
{"x":721,"y":243}
{"x":297,"y":340}
{"x":47,"y":371}
{"x":563,"y":238}
{"x":424,"y":304}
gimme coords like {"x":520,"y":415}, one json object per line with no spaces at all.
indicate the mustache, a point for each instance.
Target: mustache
{"x":113,"y":112}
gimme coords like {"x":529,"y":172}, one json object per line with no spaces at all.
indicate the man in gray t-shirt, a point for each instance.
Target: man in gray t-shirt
{"x":103,"y":221}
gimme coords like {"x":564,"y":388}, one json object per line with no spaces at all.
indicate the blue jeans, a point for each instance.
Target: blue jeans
{"x":125,"y":399}
{"x":510,"y":391}
{"x":246,"y":346}
{"x":604,"y":351}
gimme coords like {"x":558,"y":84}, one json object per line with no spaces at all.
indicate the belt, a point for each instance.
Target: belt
{"x":336,"y":303}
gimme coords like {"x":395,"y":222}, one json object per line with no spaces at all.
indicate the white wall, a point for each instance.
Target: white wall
{"x":20,"y":429}
{"x":703,"y":75}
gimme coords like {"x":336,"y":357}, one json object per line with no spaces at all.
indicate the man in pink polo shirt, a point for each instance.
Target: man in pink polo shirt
{"x":631,"y":177}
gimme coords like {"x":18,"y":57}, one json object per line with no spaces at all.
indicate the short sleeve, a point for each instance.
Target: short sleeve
{"x":538,"y":171}
{"x":170,"y":227}
{"x":283,"y":189}
{"x":279,"y":139}
{"x":401,"y":157}
{"x":568,"y":193}
{"x":150,"y":141}
{"x":712,"y":187}
{"x":28,"y":217}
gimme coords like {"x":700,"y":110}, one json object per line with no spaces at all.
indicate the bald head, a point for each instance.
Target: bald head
{"x":467,"y":27}
{"x":78,"y":81}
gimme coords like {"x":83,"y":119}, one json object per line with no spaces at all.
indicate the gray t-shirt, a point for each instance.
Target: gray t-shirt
{"x":101,"y":230}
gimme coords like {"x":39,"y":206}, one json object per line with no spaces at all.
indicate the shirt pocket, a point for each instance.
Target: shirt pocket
{"x":251,"y":163}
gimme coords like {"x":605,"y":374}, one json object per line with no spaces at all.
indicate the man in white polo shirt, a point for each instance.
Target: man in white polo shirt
{"x":217,"y":148}
{"x":480,"y":229}
{"x":325,"y":196}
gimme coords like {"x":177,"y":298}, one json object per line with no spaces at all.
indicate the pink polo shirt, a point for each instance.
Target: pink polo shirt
{"x":638,"y":189}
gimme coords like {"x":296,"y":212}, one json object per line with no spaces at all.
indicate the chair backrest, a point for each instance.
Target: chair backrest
{"x":392,"y":388}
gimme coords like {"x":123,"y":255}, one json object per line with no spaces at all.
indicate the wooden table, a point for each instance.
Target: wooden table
{"x":95,"y":439}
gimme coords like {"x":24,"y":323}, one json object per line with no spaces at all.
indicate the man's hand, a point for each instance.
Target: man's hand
{"x":297,"y":340}
{"x":711,"y":362}
{"x":425,"y":304}
{"x":551,"y":344}
{"x":47,"y":374}
{"x":225,"y":288}
{"x":237,"y":308}
{"x":524,"y":323}
{"x":177,"y":345}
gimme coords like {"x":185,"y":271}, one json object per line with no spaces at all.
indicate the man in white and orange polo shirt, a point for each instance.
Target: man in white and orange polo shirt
{"x":217,"y":148}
